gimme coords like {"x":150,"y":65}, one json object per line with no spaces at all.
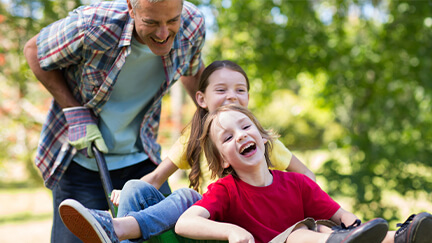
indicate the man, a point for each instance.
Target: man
{"x":107,"y":66}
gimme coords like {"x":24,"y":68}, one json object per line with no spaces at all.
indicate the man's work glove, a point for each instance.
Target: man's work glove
{"x":83,"y":130}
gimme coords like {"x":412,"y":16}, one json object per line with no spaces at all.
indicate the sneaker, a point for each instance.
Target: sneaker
{"x":87,"y":224}
{"x":372,"y":231}
{"x":416,"y":229}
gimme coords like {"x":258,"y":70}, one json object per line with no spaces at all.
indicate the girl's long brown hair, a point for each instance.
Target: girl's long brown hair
{"x":194,"y":150}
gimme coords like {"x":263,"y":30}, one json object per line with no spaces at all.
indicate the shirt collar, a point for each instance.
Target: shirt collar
{"x":126,"y":36}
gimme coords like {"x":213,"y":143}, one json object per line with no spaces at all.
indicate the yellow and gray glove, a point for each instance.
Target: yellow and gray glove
{"x":83,"y":130}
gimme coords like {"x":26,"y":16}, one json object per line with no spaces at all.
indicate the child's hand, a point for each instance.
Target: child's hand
{"x":115,"y":197}
{"x":240,"y":235}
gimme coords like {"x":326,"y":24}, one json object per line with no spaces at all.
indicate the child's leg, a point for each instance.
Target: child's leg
{"x":95,"y":225}
{"x":306,"y":224}
{"x":154,"y":213}
{"x":303,"y":235}
{"x":137,"y":195}
{"x":389,"y":237}
{"x":325,"y":226}
{"x":126,"y":228}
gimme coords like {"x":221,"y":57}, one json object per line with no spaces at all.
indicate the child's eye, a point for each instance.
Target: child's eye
{"x":227,"y":138}
{"x":246,"y":127}
{"x":241,"y":90}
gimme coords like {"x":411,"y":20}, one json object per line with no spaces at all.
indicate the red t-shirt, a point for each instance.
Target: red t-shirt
{"x":267,"y":211}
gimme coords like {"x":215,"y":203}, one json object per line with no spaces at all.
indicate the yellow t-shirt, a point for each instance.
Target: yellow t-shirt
{"x":280,"y":158}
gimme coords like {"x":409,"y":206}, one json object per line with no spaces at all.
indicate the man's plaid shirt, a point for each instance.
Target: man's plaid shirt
{"x":90,"y":47}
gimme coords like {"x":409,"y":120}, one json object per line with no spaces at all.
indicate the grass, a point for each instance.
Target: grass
{"x":23,"y":217}
{"x":21,"y":205}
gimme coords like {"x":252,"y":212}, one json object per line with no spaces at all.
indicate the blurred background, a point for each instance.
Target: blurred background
{"x":347,"y":85}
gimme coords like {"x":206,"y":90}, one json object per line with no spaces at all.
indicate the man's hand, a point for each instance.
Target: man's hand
{"x":83,"y":130}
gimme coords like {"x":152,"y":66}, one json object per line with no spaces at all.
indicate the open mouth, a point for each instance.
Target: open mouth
{"x":248,"y":149}
{"x":160,"y":41}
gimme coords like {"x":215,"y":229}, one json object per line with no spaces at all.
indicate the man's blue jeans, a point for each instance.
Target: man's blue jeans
{"x":154,"y":212}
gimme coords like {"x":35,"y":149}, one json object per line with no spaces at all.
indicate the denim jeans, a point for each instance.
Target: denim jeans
{"x":85,"y":186}
{"x":154,"y":212}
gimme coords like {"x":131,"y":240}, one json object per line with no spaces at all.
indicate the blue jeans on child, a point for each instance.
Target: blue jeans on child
{"x":154,"y":212}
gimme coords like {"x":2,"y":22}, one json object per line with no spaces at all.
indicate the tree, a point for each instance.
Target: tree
{"x":24,"y":101}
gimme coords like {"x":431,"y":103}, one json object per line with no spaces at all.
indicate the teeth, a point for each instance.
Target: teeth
{"x":159,"y":41}
{"x":246,"y":147}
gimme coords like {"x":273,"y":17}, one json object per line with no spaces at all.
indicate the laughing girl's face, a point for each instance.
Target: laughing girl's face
{"x":239,"y":141}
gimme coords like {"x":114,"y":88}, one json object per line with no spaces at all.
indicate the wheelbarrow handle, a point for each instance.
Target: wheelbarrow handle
{"x":104,"y":176}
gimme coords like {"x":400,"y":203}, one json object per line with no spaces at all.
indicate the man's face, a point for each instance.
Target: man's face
{"x":156,"y":24}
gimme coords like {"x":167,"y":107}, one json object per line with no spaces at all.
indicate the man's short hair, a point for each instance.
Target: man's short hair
{"x":135,"y":3}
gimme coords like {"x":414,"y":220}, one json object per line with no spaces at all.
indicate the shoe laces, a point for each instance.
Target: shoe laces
{"x":405,"y":224}
{"x":356,"y":223}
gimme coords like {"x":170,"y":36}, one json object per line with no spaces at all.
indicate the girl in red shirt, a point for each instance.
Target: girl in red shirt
{"x":252,"y":203}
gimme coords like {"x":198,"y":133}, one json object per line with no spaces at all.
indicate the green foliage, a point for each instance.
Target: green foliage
{"x":277,"y":43}
{"x":23,"y":101}
{"x":383,"y":98}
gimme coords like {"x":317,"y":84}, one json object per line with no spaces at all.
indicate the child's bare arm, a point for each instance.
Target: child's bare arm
{"x":279,"y":157}
{"x":195,"y":224}
{"x":164,"y":170}
{"x":343,"y":216}
{"x":297,"y":166}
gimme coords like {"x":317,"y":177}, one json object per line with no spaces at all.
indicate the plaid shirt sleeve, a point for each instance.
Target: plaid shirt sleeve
{"x":194,"y":30}
{"x":60,"y":43}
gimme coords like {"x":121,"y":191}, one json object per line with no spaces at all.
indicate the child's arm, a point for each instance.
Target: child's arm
{"x":297,"y":166}
{"x":283,"y":159}
{"x":175,"y":159}
{"x":343,"y":216}
{"x":164,"y":170}
{"x":195,"y":223}
{"x":156,"y":178}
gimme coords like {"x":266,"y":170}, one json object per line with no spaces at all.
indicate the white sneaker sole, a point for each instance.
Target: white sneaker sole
{"x":81,"y":222}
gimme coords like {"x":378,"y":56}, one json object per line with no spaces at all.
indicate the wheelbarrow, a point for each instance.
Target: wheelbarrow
{"x":166,"y":237}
